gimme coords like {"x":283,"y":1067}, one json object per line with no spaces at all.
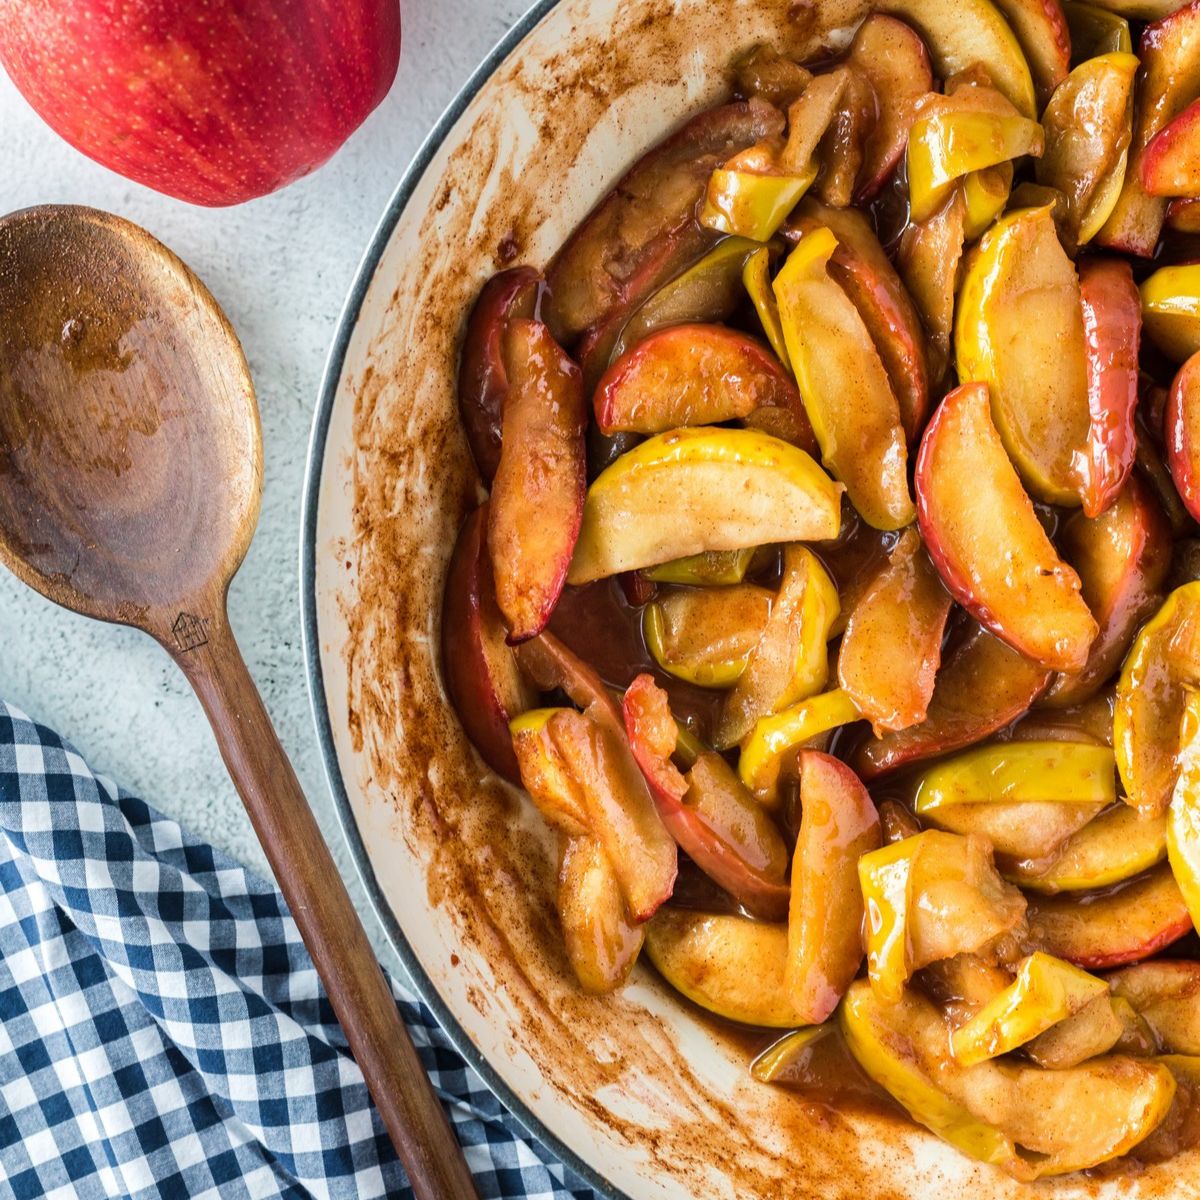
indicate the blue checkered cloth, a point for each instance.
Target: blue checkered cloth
{"x":162,"y":1030}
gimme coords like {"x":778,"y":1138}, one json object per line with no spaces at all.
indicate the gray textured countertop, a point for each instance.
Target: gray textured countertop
{"x":281,"y":267}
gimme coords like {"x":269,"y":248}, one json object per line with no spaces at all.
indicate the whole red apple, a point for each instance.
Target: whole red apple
{"x":212,"y":101}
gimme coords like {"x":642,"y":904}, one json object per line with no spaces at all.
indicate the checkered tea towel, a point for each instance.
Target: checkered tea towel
{"x":162,"y":1029}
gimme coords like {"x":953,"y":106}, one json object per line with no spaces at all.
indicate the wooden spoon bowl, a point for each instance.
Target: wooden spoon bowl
{"x":130,"y":478}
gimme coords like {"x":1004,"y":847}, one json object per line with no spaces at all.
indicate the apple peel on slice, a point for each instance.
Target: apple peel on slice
{"x":1183,"y":434}
{"x":694,"y":490}
{"x":987,"y":543}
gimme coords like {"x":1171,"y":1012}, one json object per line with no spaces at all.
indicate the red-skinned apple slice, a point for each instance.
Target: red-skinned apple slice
{"x":479,"y":669}
{"x":982,"y":686}
{"x":1122,"y":558}
{"x":550,"y":666}
{"x":864,"y":271}
{"x":1182,"y":434}
{"x":1042,"y":31}
{"x":1171,"y":162}
{"x":644,"y":230}
{"x":893,"y":58}
{"x":482,"y":375}
{"x":962,"y":33}
{"x":1112,"y":325}
{"x":537,"y":496}
{"x":892,"y":646}
{"x":987,"y":543}
{"x":1125,"y":924}
{"x":1183,"y":215}
{"x":694,"y":375}
{"x":711,"y":816}
{"x":1168,"y":81}
{"x":825,"y":918}
{"x":846,"y":390}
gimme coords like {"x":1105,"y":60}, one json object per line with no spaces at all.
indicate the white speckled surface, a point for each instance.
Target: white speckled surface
{"x":281,"y":267}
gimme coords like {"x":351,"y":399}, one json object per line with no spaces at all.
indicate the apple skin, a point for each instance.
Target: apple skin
{"x":1042,"y":31}
{"x":1183,"y":215}
{"x":478,"y":668}
{"x":1112,"y":326}
{"x":257,"y":94}
{"x":1170,"y":165}
{"x":482,"y":375}
{"x":1182,"y":434}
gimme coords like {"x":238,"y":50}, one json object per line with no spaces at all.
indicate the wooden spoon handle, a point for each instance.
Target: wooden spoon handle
{"x":322,"y":909}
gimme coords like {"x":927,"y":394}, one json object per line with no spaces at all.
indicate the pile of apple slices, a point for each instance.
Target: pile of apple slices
{"x":837,"y":596}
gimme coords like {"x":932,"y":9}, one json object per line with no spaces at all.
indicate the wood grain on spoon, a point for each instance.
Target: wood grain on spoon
{"x":130,"y":480}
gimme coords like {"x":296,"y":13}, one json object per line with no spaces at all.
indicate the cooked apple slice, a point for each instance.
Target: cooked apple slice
{"x":555,"y":792}
{"x":479,"y":669}
{"x":790,"y":661}
{"x":929,"y":258}
{"x":602,"y":942}
{"x":1045,"y":992}
{"x":717,"y":568}
{"x":1095,"y":31}
{"x":1045,"y":38}
{"x":692,"y":375}
{"x":1171,"y":162}
{"x":551,"y":666}
{"x":1168,"y":81}
{"x":1180,"y":1128}
{"x":750,"y":197}
{"x":694,"y":490}
{"x":986,"y":194}
{"x":892,"y":646}
{"x":537,"y":497}
{"x":846,"y":391}
{"x":893,"y":58}
{"x":955,"y":135}
{"x":1089,"y":721}
{"x":644,"y":230}
{"x":780,"y":1059}
{"x":928,"y":898}
{"x":1027,"y":834}
{"x":1012,"y":772}
{"x":1183,"y":215}
{"x":1110,"y":848}
{"x":825,"y":919}
{"x":773,"y":739}
{"x":1182,"y":434}
{"x":756,"y":278}
{"x":1171,"y":309}
{"x":1029,"y":1122}
{"x":1122,"y":925}
{"x":1095,"y":1029}
{"x":961,"y":34}
{"x":1166,"y":994}
{"x":763,"y":71}
{"x":1112,"y":326}
{"x":706,"y":635}
{"x":1020,"y":330}
{"x":711,"y":816}
{"x":982,"y":686}
{"x":732,"y":966}
{"x":1122,"y":557}
{"x":1183,"y":817}
{"x":864,"y":271}
{"x":842,"y":151}
{"x":1088,"y":123}
{"x":987,"y":543}
{"x":1140,"y":10}
{"x":1151,"y":698}
{"x":482,"y":374}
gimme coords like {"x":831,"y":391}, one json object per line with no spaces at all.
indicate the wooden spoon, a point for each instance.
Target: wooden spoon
{"x":130,"y":478}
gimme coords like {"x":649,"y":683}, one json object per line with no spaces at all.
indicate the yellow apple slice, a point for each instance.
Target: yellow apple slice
{"x":985,"y":539}
{"x":1045,"y":991}
{"x":1029,"y":1122}
{"x":756,"y":277}
{"x":752,"y":204}
{"x":718,"y":568}
{"x":732,"y":966}
{"x":1027,"y":833}
{"x":1020,"y":330}
{"x":1152,"y":697}
{"x":774,"y":1063}
{"x":694,"y":490}
{"x":1062,"y":772}
{"x":1171,"y":309}
{"x":1166,"y":994}
{"x":1041,"y":28}
{"x":1095,"y":31}
{"x":847,"y":395}
{"x":1110,"y":848}
{"x":1095,"y":1029}
{"x":986,"y":193}
{"x":963,"y":33}
{"x":1183,"y":817}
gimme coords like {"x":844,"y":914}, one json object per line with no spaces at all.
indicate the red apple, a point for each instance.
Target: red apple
{"x":1129,"y":922}
{"x":694,"y":375}
{"x":1112,"y":325}
{"x":538,"y":493}
{"x":479,"y":669}
{"x":1182,"y":434}
{"x":482,"y":375}
{"x":212,"y":103}
{"x":644,"y":231}
{"x":1171,"y":162}
{"x":708,"y":812}
{"x":987,"y":543}
{"x":982,"y":686}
